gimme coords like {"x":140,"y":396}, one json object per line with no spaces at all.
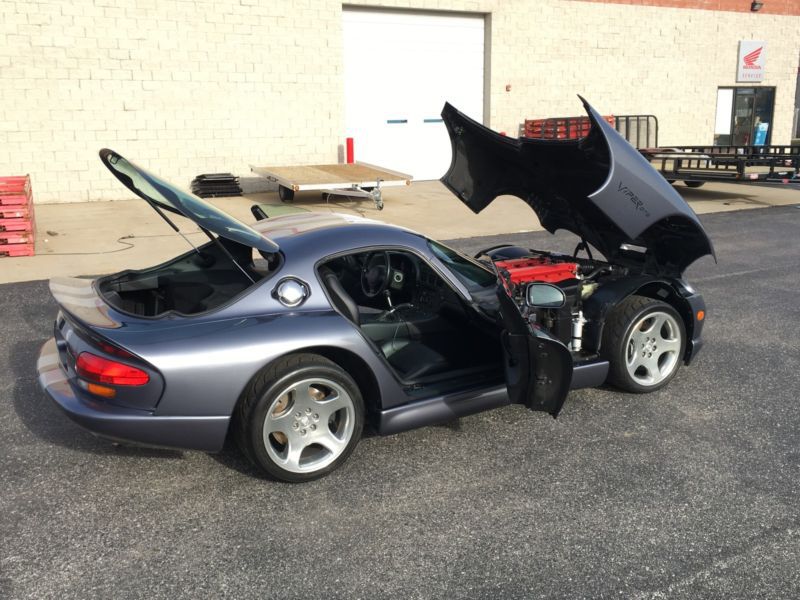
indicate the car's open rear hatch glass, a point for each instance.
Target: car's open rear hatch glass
{"x":162,"y":195}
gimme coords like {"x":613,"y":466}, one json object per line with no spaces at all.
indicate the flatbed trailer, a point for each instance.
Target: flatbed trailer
{"x":349,"y":179}
{"x":736,"y":164}
{"x":694,"y":165}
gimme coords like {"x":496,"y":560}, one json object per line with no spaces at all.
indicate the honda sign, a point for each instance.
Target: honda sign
{"x":752,"y":60}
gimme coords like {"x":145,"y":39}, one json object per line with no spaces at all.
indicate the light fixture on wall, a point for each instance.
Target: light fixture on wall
{"x":755,"y":6}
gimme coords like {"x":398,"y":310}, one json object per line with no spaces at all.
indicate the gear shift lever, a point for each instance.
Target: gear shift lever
{"x":388,"y":298}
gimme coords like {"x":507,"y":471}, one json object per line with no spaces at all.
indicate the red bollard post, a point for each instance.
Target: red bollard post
{"x":350,"y":151}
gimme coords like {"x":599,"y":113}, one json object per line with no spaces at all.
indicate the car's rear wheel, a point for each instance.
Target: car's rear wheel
{"x":300,"y":418}
{"x":644,"y":341}
{"x":694,"y":184}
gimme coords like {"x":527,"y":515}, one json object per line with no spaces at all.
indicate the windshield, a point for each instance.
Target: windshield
{"x":475,"y":277}
{"x":171,"y":198}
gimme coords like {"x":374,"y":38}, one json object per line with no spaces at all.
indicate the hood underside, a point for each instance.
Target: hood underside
{"x":598,"y":187}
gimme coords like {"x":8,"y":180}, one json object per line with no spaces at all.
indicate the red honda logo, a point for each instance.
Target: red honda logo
{"x":750,"y":59}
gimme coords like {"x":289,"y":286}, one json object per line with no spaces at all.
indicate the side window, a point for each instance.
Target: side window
{"x":375,"y":280}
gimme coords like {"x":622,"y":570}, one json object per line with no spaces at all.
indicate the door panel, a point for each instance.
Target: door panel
{"x":538,"y":367}
{"x":762,"y":110}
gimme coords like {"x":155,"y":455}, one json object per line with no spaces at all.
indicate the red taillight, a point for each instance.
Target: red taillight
{"x":102,"y":370}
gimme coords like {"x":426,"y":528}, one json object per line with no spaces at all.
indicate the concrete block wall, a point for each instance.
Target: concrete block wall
{"x":181,"y":86}
{"x":192,"y":86}
{"x":634,"y":60}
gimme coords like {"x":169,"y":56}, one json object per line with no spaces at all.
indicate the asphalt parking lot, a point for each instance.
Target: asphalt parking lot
{"x":688,"y":492}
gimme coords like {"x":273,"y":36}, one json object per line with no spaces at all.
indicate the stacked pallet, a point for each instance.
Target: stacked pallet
{"x":216,"y":184}
{"x":17,"y":224}
{"x":560,"y":128}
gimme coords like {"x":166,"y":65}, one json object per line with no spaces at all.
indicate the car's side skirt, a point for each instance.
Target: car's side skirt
{"x":440,"y":409}
{"x":589,"y":374}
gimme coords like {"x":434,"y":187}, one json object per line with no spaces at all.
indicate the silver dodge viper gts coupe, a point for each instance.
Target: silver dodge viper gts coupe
{"x":293,"y":333}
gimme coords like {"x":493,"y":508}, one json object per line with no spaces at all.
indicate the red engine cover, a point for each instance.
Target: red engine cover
{"x":523,"y":270}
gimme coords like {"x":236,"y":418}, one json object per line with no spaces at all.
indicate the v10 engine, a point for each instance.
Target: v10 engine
{"x":575,"y":277}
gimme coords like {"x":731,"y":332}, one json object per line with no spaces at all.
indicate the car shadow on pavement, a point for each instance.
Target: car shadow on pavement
{"x":233,"y":458}
{"x":43,"y":419}
{"x":727,"y":198}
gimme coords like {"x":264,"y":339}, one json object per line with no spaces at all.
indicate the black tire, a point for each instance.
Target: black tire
{"x":694,"y":184}
{"x":618,"y":334}
{"x":285,"y":194}
{"x":266,"y":389}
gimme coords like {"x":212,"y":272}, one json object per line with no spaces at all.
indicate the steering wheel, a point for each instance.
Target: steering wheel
{"x":375,"y":274}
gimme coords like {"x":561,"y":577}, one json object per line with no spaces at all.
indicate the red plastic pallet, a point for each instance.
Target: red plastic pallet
{"x":19,"y":225}
{"x":16,"y":237}
{"x":15,"y":187}
{"x":15,"y":180}
{"x":17,"y":249}
{"x":560,"y":128}
{"x":7,"y":199}
{"x":16,"y":212}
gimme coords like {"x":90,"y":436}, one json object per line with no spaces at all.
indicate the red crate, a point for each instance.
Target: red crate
{"x":18,"y":225}
{"x":17,"y":249}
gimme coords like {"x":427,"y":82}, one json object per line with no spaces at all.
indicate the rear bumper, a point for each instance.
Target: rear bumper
{"x":124,"y":424}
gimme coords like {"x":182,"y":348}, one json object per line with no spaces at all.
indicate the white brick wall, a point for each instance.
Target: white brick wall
{"x":633,"y":60}
{"x":182,"y":86}
{"x":192,"y":86}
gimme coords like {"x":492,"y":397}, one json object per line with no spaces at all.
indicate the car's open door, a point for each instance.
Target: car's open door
{"x":538,"y":367}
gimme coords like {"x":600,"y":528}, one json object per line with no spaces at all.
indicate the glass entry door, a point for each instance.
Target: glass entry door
{"x":744,"y":116}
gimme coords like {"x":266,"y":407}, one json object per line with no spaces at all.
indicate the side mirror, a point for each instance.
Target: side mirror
{"x":544,"y":295}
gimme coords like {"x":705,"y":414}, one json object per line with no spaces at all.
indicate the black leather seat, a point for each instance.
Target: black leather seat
{"x":342,"y":301}
{"x":412,"y":359}
{"x":415,"y":360}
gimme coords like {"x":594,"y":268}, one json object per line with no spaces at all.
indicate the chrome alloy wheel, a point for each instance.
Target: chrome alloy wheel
{"x":652,"y":347}
{"x":308,"y":425}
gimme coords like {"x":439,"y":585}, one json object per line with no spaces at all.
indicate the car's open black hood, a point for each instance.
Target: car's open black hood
{"x":598,"y":187}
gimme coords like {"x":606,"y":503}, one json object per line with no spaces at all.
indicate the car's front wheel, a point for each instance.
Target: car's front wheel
{"x":300,"y":418}
{"x":644,"y":341}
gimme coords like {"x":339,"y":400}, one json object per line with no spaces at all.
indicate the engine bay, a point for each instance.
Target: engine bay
{"x":577,"y":278}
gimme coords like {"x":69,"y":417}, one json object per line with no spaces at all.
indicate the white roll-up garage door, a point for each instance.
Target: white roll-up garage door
{"x":399,"y":68}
